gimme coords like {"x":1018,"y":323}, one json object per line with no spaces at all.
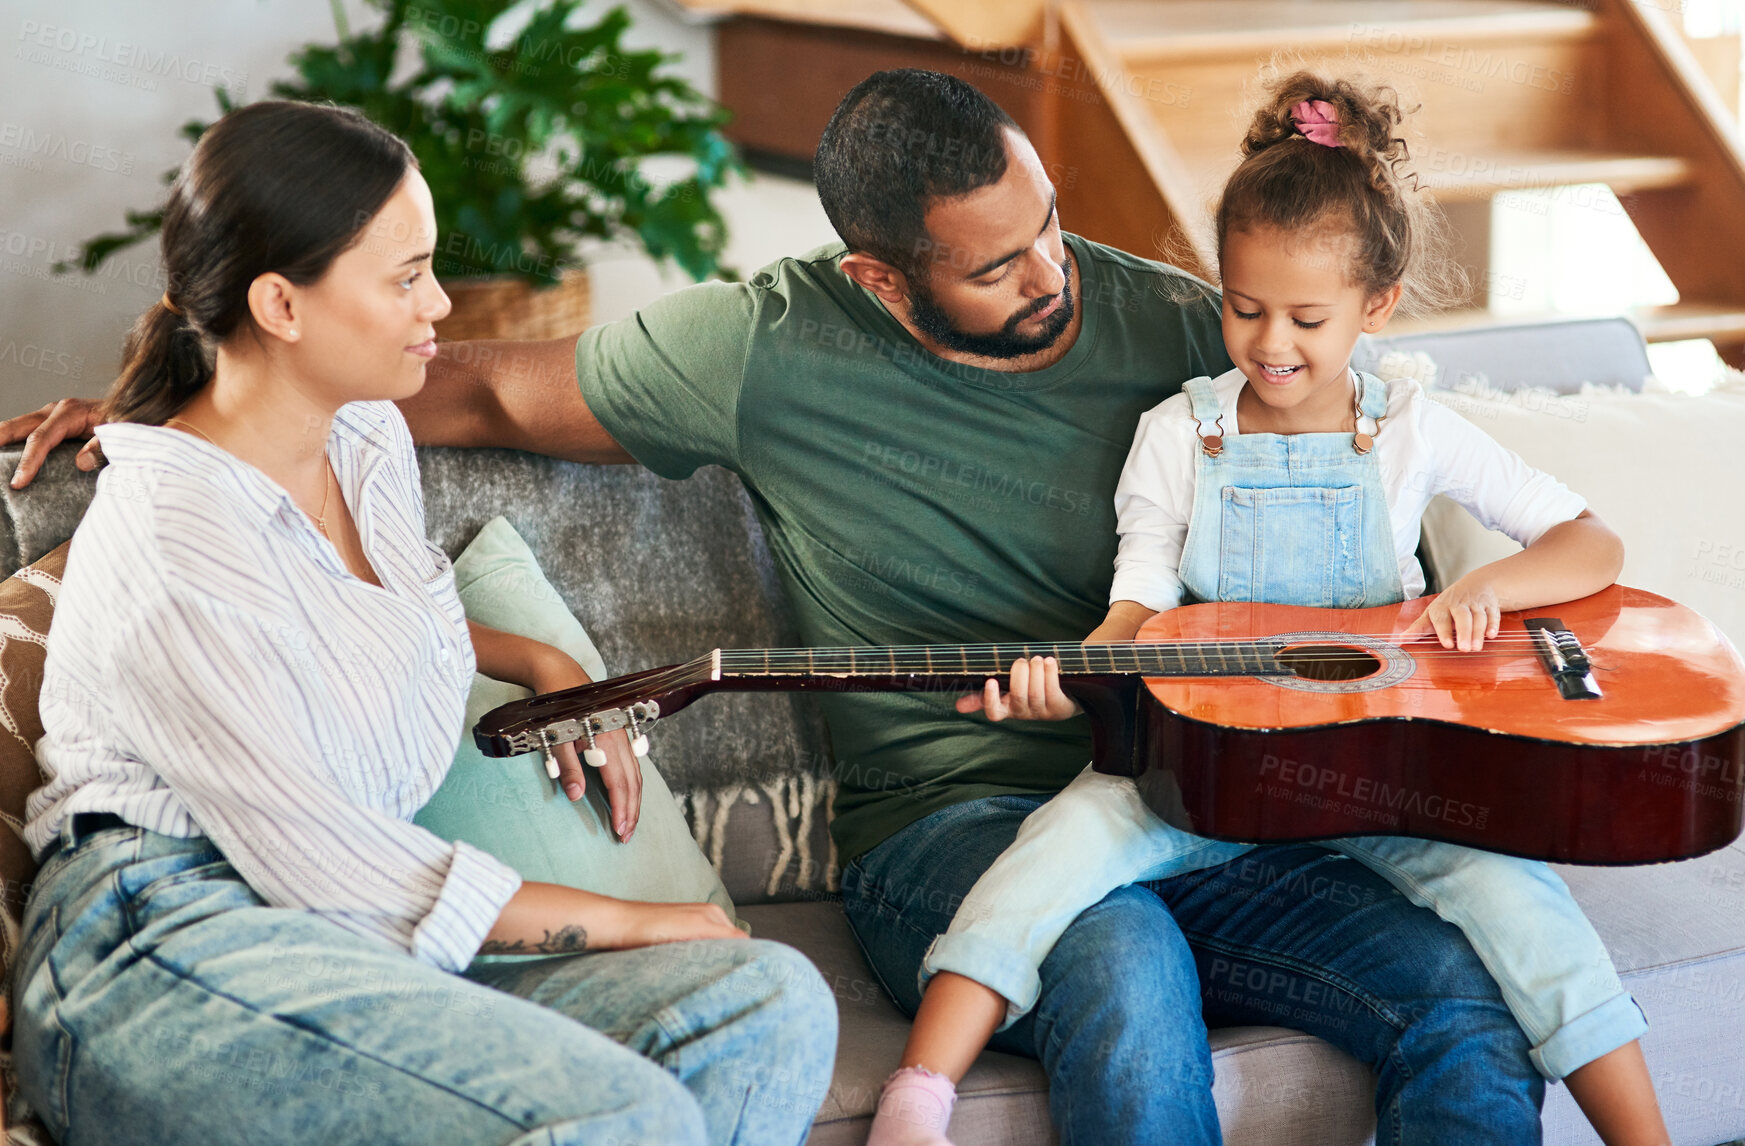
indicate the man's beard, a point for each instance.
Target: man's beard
{"x":931,"y":319}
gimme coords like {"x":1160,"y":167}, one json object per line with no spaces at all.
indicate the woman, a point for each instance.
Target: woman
{"x":257,"y":673}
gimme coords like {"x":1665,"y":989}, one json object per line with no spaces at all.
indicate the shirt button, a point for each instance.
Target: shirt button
{"x":443,"y":652}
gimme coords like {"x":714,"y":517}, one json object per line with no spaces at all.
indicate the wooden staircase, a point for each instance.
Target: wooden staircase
{"x":1137,"y":105}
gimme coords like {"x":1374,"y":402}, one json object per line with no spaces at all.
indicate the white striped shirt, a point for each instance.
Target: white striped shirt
{"x":214,"y":669}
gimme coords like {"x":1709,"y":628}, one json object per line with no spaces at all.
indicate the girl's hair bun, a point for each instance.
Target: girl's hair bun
{"x":1300,"y":172}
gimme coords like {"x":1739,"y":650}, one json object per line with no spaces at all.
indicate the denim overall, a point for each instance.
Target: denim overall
{"x":1294,"y":519}
{"x":1289,"y":519}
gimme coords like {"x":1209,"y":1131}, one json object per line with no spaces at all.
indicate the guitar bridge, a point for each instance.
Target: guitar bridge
{"x":645,"y":712}
{"x":1564,"y":658}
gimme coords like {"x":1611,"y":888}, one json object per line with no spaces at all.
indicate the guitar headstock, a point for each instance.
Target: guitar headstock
{"x":542,"y":722}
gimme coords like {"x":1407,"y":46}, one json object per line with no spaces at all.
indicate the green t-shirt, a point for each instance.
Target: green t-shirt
{"x":908,"y":499}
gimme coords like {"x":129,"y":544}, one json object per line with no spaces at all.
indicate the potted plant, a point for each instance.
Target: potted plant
{"x":531,"y":134}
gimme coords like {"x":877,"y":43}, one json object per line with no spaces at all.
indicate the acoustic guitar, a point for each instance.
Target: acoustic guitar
{"x":1609,"y":730}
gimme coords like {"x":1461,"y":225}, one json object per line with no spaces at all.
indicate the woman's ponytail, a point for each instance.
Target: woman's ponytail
{"x":163,"y":366}
{"x":274,"y":187}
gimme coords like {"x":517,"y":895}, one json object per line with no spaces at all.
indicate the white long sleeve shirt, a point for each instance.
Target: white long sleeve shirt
{"x":214,"y":669}
{"x":1423,"y":448}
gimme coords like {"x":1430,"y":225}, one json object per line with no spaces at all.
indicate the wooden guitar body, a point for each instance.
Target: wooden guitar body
{"x":1466,"y":748}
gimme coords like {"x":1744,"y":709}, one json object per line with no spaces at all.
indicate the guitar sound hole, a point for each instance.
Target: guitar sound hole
{"x":1330,"y":662}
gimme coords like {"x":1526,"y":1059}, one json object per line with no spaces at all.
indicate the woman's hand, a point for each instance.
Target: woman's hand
{"x":1463,"y":615}
{"x":622,"y":772}
{"x":554,"y":919}
{"x":45,"y":429}
{"x":645,"y":924}
{"x":1035,"y":694}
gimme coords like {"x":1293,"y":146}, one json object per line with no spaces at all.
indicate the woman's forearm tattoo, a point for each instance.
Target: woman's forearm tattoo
{"x":564,"y":941}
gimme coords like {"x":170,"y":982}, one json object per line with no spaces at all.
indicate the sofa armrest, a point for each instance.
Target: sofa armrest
{"x":35,"y":519}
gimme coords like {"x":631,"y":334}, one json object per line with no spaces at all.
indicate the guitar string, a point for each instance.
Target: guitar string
{"x":700,"y":669}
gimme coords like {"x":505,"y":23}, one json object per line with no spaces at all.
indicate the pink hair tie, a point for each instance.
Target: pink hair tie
{"x":1318,"y":120}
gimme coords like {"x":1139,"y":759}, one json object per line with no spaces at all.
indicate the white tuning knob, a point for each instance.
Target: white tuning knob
{"x":550,"y":763}
{"x":594,"y":757}
{"x":639,"y":746}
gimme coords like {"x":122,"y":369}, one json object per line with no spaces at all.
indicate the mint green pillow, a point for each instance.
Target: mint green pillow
{"x":509,"y":807}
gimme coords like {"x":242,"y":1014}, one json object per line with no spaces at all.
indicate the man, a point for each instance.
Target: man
{"x":931,"y":421}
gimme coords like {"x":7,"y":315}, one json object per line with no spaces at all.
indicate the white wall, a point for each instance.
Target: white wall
{"x":91,"y":95}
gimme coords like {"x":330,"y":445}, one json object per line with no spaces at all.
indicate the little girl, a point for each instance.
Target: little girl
{"x":1229,"y":494}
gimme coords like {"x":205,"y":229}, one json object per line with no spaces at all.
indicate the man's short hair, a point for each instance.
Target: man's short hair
{"x":900,"y":139}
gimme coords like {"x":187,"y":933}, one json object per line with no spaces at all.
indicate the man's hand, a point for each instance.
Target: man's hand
{"x":1462,"y":615}
{"x":1035,"y":694}
{"x":622,"y":772}
{"x":47,"y":428}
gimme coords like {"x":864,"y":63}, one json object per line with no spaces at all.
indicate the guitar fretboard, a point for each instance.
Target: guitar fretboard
{"x":1174,"y":658}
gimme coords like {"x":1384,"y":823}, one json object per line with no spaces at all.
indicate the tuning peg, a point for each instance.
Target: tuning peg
{"x":593,"y":755}
{"x":545,"y":743}
{"x":638,"y":738}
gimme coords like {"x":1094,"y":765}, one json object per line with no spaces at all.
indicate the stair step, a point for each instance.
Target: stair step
{"x":1717,"y":322}
{"x":891,"y":17}
{"x":1455,"y":176}
{"x":1147,"y":31}
{"x":1465,"y":177}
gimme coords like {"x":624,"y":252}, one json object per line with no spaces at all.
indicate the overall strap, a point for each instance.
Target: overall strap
{"x":1372,"y":404}
{"x":1208,"y":413}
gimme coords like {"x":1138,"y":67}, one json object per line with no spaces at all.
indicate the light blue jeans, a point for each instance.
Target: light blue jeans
{"x":160,"y":1001}
{"x":1098,"y":835}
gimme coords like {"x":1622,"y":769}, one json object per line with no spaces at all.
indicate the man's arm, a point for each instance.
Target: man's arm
{"x":516,"y":395}
{"x":521,"y":395}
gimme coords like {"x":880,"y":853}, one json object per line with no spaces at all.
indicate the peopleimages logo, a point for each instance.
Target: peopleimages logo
{"x":89,"y":53}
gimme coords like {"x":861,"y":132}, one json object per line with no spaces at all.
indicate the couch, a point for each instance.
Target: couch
{"x":660,"y":571}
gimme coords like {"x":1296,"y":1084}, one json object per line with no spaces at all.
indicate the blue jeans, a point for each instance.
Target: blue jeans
{"x":1098,"y":834}
{"x":1293,"y":936}
{"x":159,"y":1000}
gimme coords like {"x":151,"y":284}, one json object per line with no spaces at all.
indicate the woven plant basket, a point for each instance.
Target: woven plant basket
{"x":500,"y":306}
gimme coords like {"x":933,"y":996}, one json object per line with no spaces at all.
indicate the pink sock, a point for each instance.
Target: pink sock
{"x":914,"y":1109}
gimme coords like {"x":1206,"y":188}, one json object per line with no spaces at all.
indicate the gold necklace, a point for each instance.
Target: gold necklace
{"x":320,"y":518}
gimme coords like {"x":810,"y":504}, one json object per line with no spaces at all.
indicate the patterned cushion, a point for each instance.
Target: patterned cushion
{"x":27,"y":604}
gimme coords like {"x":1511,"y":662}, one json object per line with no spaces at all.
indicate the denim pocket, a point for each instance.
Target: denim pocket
{"x":173,"y":882}
{"x":1293,"y":545}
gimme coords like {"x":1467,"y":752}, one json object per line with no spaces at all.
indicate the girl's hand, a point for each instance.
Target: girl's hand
{"x":622,"y":772}
{"x":1035,"y":694}
{"x":645,"y":924}
{"x":1462,"y":615}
